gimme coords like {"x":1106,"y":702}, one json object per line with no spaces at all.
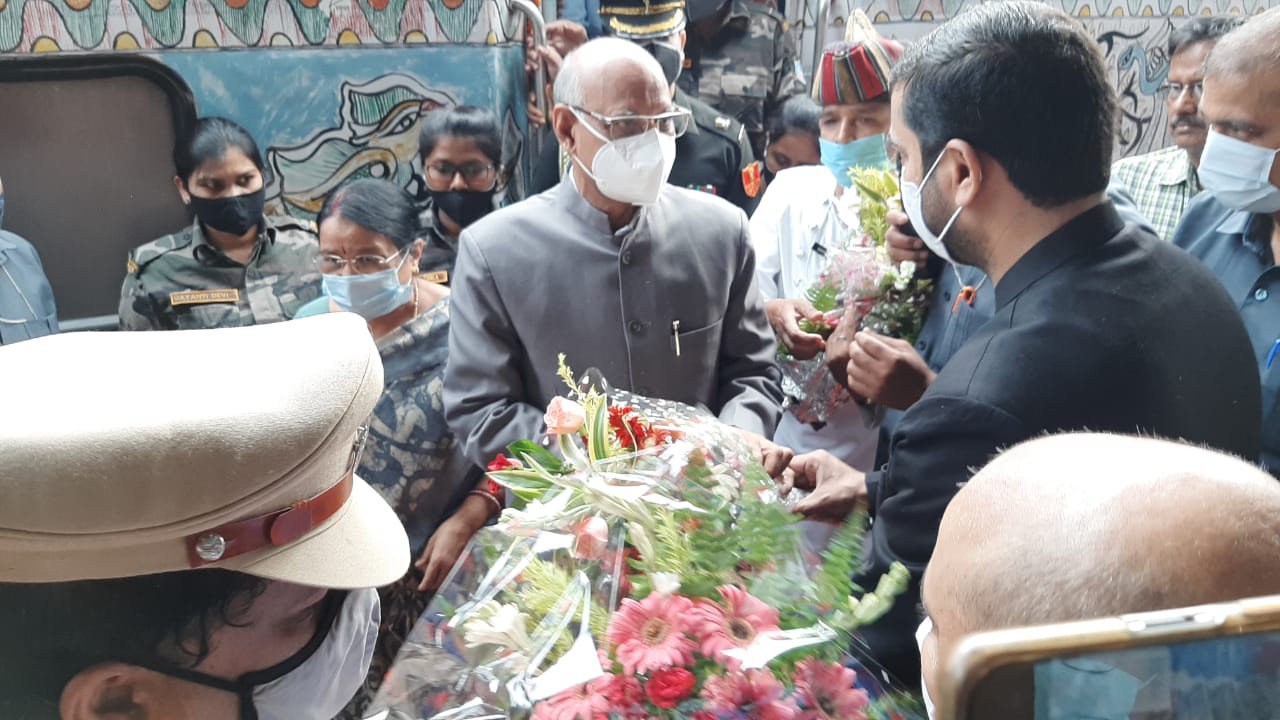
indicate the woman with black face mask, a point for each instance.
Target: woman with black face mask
{"x":461,"y":152}
{"x":233,"y":266}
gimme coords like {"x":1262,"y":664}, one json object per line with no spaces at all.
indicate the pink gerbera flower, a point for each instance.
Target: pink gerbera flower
{"x":583,"y":702}
{"x":651,"y":634}
{"x":750,"y":695}
{"x":825,"y":691}
{"x":734,"y":624}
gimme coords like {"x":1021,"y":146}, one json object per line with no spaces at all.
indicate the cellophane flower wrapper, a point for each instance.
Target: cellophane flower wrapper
{"x":811,"y":391}
{"x":659,"y":577}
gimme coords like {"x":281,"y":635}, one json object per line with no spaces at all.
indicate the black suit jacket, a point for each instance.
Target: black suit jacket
{"x":1099,"y":326}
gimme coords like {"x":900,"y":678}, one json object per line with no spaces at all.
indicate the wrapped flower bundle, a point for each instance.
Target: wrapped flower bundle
{"x":889,"y":298}
{"x":652,"y":572}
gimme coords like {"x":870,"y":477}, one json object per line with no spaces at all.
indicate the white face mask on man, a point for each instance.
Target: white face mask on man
{"x":633,"y":169}
{"x":317,"y":681}
{"x":913,"y":205}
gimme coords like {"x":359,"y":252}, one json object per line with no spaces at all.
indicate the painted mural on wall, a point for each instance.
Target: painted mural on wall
{"x":323,"y":116}
{"x":104,"y":25}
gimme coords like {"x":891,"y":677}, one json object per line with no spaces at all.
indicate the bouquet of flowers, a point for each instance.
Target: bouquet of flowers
{"x":652,"y":572}
{"x":887,"y":298}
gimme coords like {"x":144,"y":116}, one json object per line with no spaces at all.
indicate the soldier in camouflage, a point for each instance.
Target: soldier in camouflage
{"x":741,"y":60}
{"x":183,"y":282}
{"x":233,"y":266}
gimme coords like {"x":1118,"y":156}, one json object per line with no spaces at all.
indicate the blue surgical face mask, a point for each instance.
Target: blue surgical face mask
{"x":1239,"y":174}
{"x":369,"y":296}
{"x":840,"y":158}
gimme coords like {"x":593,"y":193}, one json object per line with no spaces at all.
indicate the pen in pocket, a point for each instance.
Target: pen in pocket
{"x":675,"y":335}
{"x":1271,"y":357}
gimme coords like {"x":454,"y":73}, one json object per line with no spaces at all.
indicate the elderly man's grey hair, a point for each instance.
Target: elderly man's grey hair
{"x":592,"y":60}
{"x":1254,"y":47}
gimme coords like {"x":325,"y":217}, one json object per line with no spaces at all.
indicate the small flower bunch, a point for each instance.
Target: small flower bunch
{"x":895,"y":303}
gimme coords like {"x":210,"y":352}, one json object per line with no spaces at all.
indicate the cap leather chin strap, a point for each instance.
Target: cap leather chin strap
{"x":278,"y":527}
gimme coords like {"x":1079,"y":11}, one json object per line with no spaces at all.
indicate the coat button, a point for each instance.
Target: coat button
{"x":946,"y":296}
{"x":922,"y":346}
{"x":635,"y":326}
{"x":626,"y":258}
{"x":1260,"y":295}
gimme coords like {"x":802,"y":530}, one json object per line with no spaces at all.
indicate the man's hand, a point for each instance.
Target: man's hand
{"x":552,"y":60}
{"x":837,"y":488}
{"x":566,"y":36}
{"x":902,"y":241}
{"x":840,"y":344}
{"x":774,"y":457}
{"x":785,"y":317}
{"x":450,"y":539}
{"x":887,"y":370}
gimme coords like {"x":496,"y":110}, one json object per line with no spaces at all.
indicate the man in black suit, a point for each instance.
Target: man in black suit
{"x":1002,"y":127}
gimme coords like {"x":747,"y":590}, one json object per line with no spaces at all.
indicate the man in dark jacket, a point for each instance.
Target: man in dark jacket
{"x":1097,"y":325}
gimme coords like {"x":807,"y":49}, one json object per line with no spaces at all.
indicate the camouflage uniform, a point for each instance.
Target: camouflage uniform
{"x":747,"y":70}
{"x":439,"y":252}
{"x":181,"y":282}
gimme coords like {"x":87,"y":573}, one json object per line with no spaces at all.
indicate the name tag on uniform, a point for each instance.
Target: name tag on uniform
{"x":439,"y":277}
{"x":204,"y":297}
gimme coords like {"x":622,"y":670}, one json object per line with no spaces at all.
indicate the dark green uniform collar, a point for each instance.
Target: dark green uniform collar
{"x":682,"y":99}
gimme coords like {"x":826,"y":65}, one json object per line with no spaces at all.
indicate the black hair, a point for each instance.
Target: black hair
{"x":378,"y":206}
{"x":462,"y":121}
{"x":798,"y":114}
{"x":1023,"y":83}
{"x":53,"y":631}
{"x":1200,"y":29}
{"x":209,"y":140}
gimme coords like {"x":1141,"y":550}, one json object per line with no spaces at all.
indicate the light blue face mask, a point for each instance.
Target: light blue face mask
{"x":369,"y":296}
{"x":840,"y":158}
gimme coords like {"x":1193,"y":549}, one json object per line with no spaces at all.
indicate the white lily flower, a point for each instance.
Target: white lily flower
{"x":665,"y":583}
{"x":501,"y":625}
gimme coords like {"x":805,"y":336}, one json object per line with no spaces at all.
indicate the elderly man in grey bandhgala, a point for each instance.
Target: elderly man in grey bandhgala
{"x":652,"y":284}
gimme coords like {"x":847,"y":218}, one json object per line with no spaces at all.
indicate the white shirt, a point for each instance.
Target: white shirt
{"x":796,"y":226}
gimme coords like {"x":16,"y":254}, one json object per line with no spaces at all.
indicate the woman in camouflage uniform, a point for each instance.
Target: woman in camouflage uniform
{"x":233,"y":266}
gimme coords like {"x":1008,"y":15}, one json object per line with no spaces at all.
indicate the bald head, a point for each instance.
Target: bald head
{"x":1253,"y":48}
{"x":601,"y":72}
{"x":1084,"y":525}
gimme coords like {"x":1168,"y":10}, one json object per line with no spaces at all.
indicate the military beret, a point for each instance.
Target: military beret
{"x":643,"y":19}
{"x":123,"y":454}
{"x":856,"y":70}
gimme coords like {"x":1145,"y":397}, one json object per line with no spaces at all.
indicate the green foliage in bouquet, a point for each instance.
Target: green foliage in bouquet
{"x":899,"y":311}
{"x":878,"y":188}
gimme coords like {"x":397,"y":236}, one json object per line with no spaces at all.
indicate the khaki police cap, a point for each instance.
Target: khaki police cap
{"x":134,"y":453}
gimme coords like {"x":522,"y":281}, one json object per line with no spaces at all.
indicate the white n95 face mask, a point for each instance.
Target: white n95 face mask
{"x":1239,"y":174}
{"x":913,"y":205}
{"x":634,"y":169}
{"x":922,"y":633}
